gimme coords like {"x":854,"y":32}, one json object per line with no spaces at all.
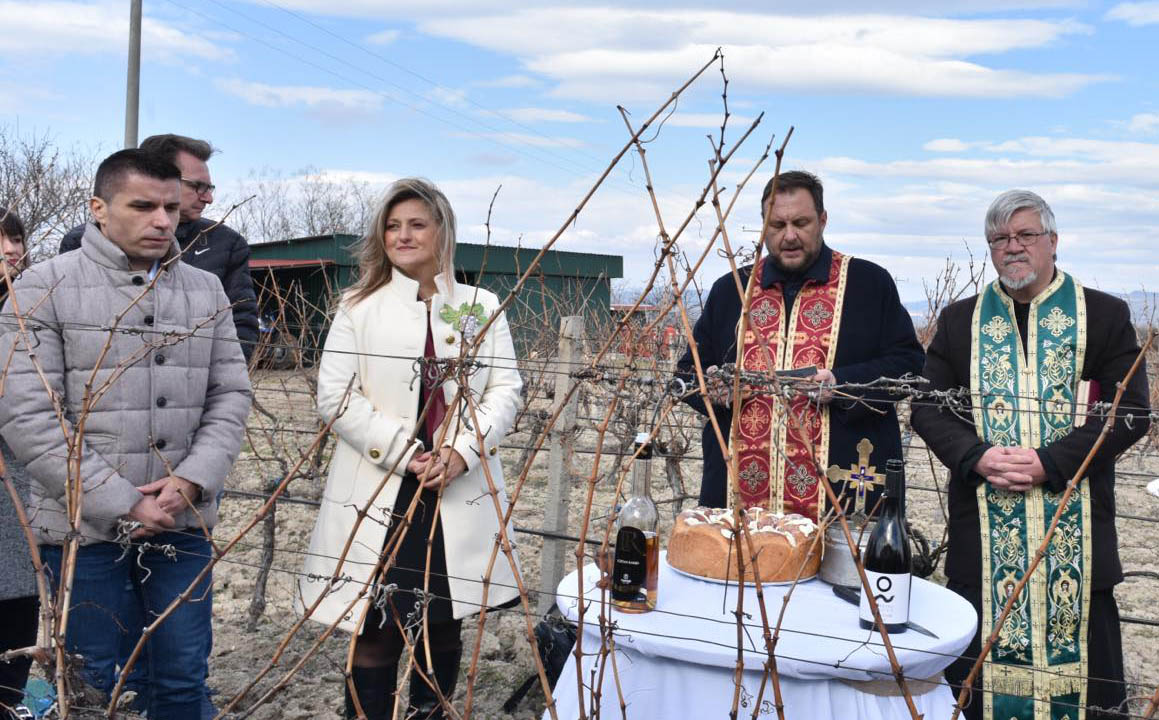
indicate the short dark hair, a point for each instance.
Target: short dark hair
{"x":167,"y":146}
{"x":11,"y":225}
{"x":113,"y":169}
{"x":796,"y":180}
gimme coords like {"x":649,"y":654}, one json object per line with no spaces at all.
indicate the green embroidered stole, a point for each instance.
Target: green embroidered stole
{"x":1037,"y":667}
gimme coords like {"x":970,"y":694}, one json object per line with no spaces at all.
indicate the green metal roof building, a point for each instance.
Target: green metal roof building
{"x":309,"y":272}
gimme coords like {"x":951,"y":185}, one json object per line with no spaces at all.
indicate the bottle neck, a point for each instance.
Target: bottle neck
{"x":894,"y":500}
{"x":894,"y":488}
{"x":642,"y":475}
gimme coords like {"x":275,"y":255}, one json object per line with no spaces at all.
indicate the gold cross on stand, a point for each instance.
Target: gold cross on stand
{"x":861,"y":475}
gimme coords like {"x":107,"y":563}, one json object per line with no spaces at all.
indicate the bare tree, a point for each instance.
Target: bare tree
{"x":304,"y":204}
{"x":46,"y":185}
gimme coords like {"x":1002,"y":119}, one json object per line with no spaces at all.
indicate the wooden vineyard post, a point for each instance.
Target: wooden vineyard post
{"x":571,"y":335}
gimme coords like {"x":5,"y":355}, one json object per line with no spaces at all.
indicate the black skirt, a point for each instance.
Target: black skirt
{"x":410,"y":562}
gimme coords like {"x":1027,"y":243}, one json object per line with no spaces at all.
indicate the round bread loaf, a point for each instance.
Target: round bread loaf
{"x":704,"y":543}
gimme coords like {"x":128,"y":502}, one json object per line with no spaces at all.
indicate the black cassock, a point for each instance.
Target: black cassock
{"x":875,"y":339}
{"x":1112,"y":346}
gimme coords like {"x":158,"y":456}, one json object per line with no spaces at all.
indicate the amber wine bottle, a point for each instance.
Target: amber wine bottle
{"x":887,"y":557}
{"x":635,"y":569}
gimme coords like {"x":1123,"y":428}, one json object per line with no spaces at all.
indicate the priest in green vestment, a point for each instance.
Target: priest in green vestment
{"x":1041,"y":356}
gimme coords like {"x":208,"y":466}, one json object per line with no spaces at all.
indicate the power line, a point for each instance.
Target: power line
{"x":411,"y":72}
{"x":523,"y":148}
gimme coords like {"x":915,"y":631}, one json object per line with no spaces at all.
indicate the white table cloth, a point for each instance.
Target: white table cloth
{"x":678,"y":660}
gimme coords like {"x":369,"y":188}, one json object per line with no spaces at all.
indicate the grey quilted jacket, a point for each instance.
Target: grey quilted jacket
{"x":176,"y":392}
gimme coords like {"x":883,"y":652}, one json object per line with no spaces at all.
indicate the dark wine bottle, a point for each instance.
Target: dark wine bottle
{"x":636,"y":564}
{"x":887,"y":557}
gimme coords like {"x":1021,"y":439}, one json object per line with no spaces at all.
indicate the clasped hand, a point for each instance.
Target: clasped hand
{"x":160,"y":502}
{"x":1011,"y":468}
{"x":434,"y":469}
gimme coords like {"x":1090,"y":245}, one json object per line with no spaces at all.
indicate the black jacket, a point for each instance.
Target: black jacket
{"x":1111,"y":349}
{"x":876,"y":339}
{"x":221,"y":251}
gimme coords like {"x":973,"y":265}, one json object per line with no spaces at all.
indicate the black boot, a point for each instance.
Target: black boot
{"x":424,"y":701}
{"x":376,"y":687}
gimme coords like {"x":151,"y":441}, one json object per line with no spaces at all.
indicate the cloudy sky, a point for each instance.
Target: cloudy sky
{"x":915,"y":114}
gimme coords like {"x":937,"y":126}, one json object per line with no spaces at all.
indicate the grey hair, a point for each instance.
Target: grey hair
{"x":1010,"y":202}
{"x":374,"y":267}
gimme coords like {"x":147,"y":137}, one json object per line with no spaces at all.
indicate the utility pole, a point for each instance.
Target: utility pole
{"x":133,"y":82}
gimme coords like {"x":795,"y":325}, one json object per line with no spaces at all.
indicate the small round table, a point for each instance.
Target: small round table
{"x":680,"y":659}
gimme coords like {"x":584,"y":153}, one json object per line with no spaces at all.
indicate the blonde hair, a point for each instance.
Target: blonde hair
{"x":374,"y":267}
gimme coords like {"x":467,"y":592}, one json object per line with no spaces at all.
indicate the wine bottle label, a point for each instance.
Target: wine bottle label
{"x":891,"y":591}
{"x":630,"y":568}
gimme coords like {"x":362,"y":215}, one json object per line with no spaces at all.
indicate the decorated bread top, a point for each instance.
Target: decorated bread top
{"x":760,"y":520}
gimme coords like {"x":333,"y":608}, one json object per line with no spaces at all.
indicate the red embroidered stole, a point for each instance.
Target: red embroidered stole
{"x":778,"y":459}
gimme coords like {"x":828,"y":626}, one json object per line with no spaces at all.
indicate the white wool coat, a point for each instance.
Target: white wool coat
{"x":375,"y":342}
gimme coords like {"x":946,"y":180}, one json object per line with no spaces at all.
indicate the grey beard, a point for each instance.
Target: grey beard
{"x":1018,"y":284}
{"x":1011,"y":283}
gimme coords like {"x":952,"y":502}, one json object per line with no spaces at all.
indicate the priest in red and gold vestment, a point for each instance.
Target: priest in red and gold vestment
{"x":811,"y":306}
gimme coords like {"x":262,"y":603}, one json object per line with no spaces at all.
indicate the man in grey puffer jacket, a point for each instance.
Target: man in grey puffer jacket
{"x":140,"y":351}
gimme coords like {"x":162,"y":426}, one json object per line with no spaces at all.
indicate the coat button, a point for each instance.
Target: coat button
{"x":160,"y":444}
{"x":138,"y":280}
{"x":148,"y":319}
{"x":450,"y":339}
{"x":375,"y":453}
{"x":162,"y":402}
{"x":160,"y":359}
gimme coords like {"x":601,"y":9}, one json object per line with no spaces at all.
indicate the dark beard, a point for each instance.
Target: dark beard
{"x":808,"y":263}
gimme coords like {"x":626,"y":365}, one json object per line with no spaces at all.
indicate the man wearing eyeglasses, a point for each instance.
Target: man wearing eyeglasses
{"x":204,"y":243}
{"x":1035,"y":350}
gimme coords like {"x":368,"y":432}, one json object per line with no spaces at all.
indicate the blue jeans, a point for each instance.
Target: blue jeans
{"x":110,"y":597}
{"x":138,"y":680}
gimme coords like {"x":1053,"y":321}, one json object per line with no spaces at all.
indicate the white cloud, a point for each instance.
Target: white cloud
{"x":1135,"y":13}
{"x":265,"y":95}
{"x":1027,"y":161}
{"x":535,"y":32}
{"x":529,"y":115}
{"x":818,"y":66}
{"x":511,"y":81}
{"x":948,"y":145}
{"x":1112,"y":151}
{"x":608,"y":52}
{"x":447,"y":96}
{"x":386,"y":37}
{"x":73,"y":27}
{"x":1144,"y":123}
{"x":17,"y":93}
{"x":393,"y":9}
{"x":708,"y":121}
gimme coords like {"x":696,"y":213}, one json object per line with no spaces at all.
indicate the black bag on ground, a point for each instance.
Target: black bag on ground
{"x":555,"y":637}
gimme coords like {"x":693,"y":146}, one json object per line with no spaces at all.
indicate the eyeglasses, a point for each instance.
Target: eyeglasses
{"x":1024,"y":238}
{"x":199,"y":187}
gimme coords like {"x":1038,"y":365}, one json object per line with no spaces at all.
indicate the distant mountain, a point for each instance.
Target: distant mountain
{"x":917,"y":310}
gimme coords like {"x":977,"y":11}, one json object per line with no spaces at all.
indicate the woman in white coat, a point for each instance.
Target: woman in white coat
{"x":396,"y":333}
